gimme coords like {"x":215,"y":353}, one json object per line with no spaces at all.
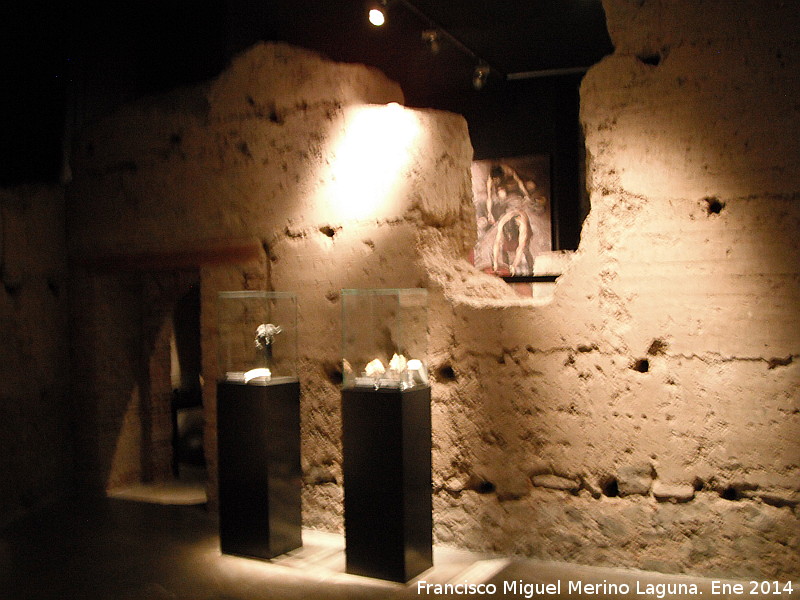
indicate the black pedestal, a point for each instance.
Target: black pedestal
{"x":386,"y":443}
{"x":258,"y":433}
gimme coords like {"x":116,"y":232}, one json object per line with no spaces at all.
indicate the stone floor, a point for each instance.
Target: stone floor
{"x":113,"y":549}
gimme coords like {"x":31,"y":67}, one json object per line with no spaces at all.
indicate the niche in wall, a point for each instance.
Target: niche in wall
{"x":538,"y":116}
{"x":511,"y":196}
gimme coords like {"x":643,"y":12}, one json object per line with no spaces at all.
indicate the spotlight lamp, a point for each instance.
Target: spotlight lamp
{"x":431,"y":39}
{"x":433,"y":35}
{"x":480,"y":75}
{"x":377,"y":13}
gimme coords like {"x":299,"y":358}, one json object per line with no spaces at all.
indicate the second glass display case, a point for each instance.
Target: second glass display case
{"x":386,"y":433}
{"x":384,"y":338}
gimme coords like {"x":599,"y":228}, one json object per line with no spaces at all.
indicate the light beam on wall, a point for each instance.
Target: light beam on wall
{"x":369,"y":160}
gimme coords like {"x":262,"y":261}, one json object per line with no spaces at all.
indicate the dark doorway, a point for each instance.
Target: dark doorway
{"x":188,"y":456}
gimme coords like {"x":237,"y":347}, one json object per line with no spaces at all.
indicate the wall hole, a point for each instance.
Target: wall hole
{"x":485,"y":487}
{"x":730,"y":493}
{"x":610,"y":487}
{"x":641,"y":365}
{"x":333,"y":372}
{"x":480,"y":485}
{"x":329,"y":231}
{"x":12,"y":286}
{"x":652,"y":59}
{"x":714,"y":206}
{"x":275,"y":117}
{"x":54,"y":287}
{"x":698,"y":484}
{"x":244,"y":149}
{"x":445,"y":373}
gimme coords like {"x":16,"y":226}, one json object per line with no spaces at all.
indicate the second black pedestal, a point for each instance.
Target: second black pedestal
{"x":258,"y":433}
{"x":386,"y":444}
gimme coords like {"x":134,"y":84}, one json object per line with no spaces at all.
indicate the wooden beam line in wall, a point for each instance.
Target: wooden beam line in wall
{"x":162,"y":260}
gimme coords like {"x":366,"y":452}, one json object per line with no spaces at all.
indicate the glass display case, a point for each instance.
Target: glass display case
{"x":384,"y":338}
{"x":386,"y":433}
{"x":257,"y":342}
{"x":258,"y":424}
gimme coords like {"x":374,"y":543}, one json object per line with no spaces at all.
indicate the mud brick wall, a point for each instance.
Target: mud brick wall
{"x":649,"y":415}
{"x":34,"y":350}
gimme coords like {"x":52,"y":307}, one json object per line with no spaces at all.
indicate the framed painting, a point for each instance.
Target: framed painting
{"x":513,"y":210}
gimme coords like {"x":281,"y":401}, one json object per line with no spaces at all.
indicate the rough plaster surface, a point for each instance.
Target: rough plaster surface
{"x":662,"y":380}
{"x":647,"y":415}
{"x":34,"y":347}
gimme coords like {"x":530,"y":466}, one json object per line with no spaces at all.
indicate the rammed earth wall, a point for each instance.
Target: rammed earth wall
{"x":35,"y":446}
{"x":646,"y":416}
{"x":649,"y":415}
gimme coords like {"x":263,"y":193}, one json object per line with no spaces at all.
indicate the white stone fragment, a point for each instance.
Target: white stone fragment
{"x":375,"y":367}
{"x":417,"y":371}
{"x":398,"y":363}
{"x":260,"y":373}
{"x":672,"y":493}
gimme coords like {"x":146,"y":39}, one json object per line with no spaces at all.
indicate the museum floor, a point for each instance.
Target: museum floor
{"x":113,"y":549}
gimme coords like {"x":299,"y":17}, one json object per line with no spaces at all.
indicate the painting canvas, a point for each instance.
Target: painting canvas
{"x":512,"y":205}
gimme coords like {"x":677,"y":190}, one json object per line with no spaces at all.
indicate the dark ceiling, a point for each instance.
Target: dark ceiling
{"x":515,"y":37}
{"x":56,"y":56}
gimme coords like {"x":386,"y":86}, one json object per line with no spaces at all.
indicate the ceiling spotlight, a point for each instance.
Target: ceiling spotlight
{"x":376,"y":17}
{"x":431,"y":39}
{"x":479,"y":76}
{"x":377,"y":13}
